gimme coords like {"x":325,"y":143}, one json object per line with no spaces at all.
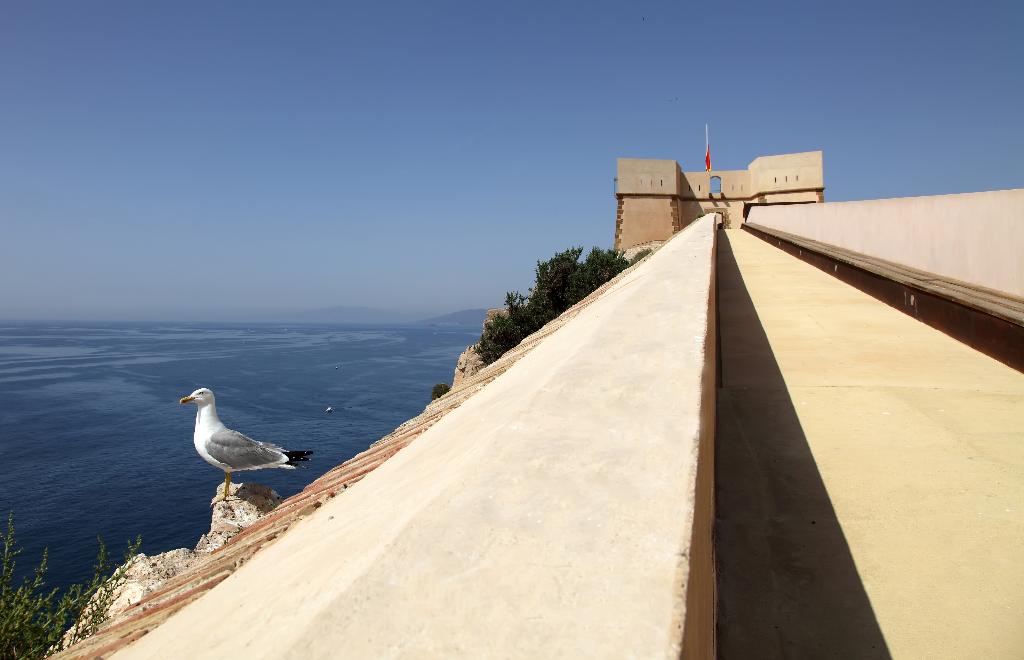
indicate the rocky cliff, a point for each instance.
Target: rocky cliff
{"x":469,"y":362}
{"x":246,"y":503}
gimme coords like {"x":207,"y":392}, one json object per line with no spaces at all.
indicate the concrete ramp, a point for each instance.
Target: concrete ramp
{"x":564,"y":510}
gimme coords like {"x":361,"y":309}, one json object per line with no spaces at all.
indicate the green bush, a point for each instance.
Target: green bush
{"x":439,"y":391}
{"x":506,"y":330}
{"x":561,"y":282}
{"x":34,"y":622}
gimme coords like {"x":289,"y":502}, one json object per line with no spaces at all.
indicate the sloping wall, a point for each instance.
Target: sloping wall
{"x":564,"y":510}
{"x":178,"y":592}
{"x":976,"y":238}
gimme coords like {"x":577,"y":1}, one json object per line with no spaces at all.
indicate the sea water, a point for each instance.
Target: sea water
{"x":94,"y":442}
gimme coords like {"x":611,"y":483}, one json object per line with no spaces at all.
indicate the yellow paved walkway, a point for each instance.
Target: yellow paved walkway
{"x":870,"y":475}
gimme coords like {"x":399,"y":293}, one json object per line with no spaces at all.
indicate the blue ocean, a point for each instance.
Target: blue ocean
{"x":94,"y":441}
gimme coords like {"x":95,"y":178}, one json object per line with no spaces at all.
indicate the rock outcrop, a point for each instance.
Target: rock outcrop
{"x":631,"y":252}
{"x":145,"y":574}
{"x":470,"y":362}
{"x":246,"y":503}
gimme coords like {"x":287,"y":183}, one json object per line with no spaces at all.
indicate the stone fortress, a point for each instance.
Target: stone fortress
{"x":656,"y":198}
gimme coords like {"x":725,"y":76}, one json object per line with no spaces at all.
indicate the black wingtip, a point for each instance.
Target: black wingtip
{"x":297,"y":457}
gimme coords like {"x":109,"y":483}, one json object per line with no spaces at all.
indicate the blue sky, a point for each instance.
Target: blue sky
{"x":211,"y":160}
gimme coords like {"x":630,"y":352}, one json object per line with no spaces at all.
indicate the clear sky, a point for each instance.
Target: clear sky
{"x":208,"y":160}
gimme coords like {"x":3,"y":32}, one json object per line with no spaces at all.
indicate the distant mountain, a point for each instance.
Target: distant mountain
{"x":345,"y":314}
{"x":374,"y":316}
{"x":461,"y":317}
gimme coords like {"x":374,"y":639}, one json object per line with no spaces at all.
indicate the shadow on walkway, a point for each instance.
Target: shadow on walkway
{"x":788,"y":587}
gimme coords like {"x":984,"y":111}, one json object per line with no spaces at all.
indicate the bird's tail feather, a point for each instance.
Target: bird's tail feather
{"x":297,"y":457}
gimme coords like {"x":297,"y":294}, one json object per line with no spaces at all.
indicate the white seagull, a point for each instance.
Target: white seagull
{"x":230,"y":450}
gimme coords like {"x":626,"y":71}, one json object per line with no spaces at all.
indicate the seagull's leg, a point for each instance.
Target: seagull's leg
{"x":227,"y":484}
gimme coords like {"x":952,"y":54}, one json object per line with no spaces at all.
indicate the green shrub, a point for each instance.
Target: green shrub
{"x":552,"y":291}
{"x":561,"y":282}
{"x":34,"y":622}
{"x":439,"y":391}
{"x":506,"y":330}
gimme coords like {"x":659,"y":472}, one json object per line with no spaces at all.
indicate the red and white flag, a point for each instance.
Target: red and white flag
{"x":707,"y":151}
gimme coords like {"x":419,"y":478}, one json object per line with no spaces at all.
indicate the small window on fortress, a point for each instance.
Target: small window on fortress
{"x":797,"y":177}
{"x":787,"y":179}
{"x":776,"y":179}
{"x":716,"y":185}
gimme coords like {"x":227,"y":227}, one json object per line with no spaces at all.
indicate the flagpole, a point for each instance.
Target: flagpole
{"x":707,"y":149}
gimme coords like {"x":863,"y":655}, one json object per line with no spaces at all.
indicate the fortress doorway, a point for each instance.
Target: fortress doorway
{"x":724,"y":212}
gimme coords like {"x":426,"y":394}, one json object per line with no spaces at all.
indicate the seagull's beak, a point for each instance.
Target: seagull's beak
{"x":186,"y":399}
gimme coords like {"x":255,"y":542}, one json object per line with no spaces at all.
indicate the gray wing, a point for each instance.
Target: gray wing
{"x":242,"y":452}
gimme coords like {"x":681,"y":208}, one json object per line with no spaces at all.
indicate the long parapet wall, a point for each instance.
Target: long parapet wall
{"x":977,"y":238}
{"x":565,"y":510}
